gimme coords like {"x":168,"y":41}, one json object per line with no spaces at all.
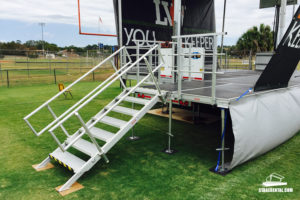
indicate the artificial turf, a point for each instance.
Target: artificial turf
{"x":137,"y":169}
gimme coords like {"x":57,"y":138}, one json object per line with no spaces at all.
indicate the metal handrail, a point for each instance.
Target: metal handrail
{"x":61,"y":92}
{"x":83,"y":99}
{"x":198,"y":35}
{"x":91,"y":98}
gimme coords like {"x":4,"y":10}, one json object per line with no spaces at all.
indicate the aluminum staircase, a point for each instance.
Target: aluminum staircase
{"x":91,"y":138}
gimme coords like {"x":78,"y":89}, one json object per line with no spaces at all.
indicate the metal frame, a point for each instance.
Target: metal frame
{"x":86,"y":128}
{"x":47,"y":103}
{"x":92,"y":34}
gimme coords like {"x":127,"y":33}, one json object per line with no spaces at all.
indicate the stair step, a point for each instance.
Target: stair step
{"x":86,"y":147}
{"x":124,"y":110}
{"x":146,"y":91}
{"x":113,"y":122}
{"x":101,"y":134}
{"x":136,"y":100}
{"x":68,"y":160}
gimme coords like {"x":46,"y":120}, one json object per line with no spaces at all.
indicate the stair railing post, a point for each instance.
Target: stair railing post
{"x":87,"y":130}
{"x":115,"y":68}
{"x":133,"y":137}
{"x":155,"y":81}
{"x":138,"y":64}
{"x":55,"y":117}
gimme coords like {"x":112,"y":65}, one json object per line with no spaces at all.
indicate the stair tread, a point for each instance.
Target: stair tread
{"x":101,"y":134}
{"x":86,"y":147}
{"x":136,"y":100}
{"x":69,"y":159}
{"x":124,"y":110}
{"x":146,"y":91}
{"x":113,"y":121}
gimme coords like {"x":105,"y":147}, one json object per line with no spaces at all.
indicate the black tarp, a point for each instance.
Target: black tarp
{"x":153,"y":19}
{"x":285,"y":60}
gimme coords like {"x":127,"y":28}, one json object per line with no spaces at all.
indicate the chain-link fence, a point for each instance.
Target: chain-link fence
{"x":245,"y":60}
{"x":33,"y":67}
{"x":236,"y":61}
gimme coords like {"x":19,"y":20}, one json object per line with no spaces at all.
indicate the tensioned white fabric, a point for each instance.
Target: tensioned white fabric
{"x":263,"y":121}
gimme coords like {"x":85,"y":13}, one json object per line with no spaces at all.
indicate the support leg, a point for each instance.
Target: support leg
{"x":70,"y":182}
{"x":162,"y":109}
{"x":223,"y":140}
{"x":221,"y":167}
{"x":169,"y":150}
{"x":44,"y":165}
{"x":133,"y":137}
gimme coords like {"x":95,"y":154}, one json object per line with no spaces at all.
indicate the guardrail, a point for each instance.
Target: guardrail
{"x":46,"y":104}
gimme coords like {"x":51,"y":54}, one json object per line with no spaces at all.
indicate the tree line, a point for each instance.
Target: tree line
{"x":254,"y":40}
{"x":33,"y":46}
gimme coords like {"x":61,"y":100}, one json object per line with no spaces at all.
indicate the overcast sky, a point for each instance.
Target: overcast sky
{"x":19,"y":19}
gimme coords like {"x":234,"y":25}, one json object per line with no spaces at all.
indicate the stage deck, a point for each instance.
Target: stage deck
{"x":230,"y":85}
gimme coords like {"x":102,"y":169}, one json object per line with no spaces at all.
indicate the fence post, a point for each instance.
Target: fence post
{"x":225,"y":64}
{"x":1,"y":73}
{"x":54,"y":73}
{"x":7,"y":78}
{"x":27,"y":64}
{"x":49,"y":64}
{"x":250,"y":60}
{"x":93,"y":75}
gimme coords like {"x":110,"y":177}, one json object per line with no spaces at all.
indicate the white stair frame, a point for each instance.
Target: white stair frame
{"x":86,"y":128}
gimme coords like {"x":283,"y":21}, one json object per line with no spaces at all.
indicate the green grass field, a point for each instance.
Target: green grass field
{"x":137,"y":170}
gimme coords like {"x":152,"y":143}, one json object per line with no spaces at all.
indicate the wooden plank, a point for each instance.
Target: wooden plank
{"x":48,"y":166}
{"x":75,"y":187}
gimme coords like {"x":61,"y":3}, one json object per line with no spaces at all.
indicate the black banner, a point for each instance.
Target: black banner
{"x":153,"y":19}
{"x":285,"y":60}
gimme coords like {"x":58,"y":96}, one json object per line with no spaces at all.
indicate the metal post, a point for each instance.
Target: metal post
{"x":214,"y":70}
{"x":49,"y":63}
{"x":27,"y":66}
{"x":120,"y":31}
{"x":169,"y":150}
{"x":7,"y":78}
{"x":190,"y":63}
{"x":54,"y":73}
{"x":250,"y":60}
{"x":225,"y":66}
{"x":177,"y":27}
{"x":133,"y":137}
{"x":223,"y":30}
{"x":179,"y":49}
{"x":282,"y":16}
{"x":223,"y":140}
{"x":138,"y":64}
{"x":93,"y":75}
{"x":1,"y":74}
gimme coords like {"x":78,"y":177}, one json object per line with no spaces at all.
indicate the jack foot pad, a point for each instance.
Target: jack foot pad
{"x":75,"y":187}
{"x":169,"y":151}
{"x":222,"y":172}
{"x":48,"y":166}
{"x":133,"y":138}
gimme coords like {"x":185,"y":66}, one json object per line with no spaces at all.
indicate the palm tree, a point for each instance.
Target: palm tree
{"x":256,"y":40}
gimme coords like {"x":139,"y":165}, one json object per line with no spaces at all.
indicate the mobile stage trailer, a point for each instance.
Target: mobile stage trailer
{"x":260,"y":109}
